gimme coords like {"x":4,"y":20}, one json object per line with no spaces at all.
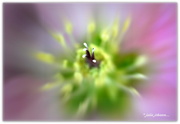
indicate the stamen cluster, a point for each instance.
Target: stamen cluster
{"x":90,"y":59}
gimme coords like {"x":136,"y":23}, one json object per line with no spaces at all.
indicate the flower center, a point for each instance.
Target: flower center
{"x":90,"y":59}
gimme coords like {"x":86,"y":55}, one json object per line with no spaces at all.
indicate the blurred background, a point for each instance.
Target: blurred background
{"x":153,"y":31}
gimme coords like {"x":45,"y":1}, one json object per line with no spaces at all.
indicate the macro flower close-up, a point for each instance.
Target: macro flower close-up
{"x":90,"y":61}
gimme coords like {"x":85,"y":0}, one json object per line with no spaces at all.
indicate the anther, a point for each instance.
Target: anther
{"x":85,"y":49}
{"x":84,"y":56}
{"x":93,"y":49}
{"x":85,"y":44}
{"x":94,"y":60}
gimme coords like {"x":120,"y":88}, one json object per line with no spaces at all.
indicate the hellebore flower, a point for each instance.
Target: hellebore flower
{"x":115,"y":67}
{"x":96,"y":76}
